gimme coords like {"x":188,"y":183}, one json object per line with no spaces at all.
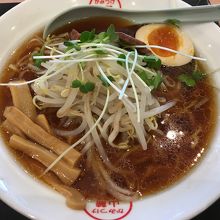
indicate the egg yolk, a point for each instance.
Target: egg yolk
{"x":165,"y":36}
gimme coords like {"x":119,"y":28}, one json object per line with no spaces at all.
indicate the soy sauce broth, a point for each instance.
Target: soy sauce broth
{"x":98,"y":23}
{"x":171,"y":154}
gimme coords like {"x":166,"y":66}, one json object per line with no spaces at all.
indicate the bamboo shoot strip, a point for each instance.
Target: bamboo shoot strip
{"x":74,"y":199}
{"x":9,"y":127}
{"x":38,"y":134}
{"x":66,"y":174}
{"x":22,"y":99}
{"x":43,"y":122}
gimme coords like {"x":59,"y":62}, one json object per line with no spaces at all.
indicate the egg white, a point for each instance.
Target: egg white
{"x":185,"y":46}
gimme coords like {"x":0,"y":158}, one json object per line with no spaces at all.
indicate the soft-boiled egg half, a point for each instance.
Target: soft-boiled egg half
{"x":168,"y":36}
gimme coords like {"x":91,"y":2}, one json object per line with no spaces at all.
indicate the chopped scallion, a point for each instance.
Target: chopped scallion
{"x":121,"y":56}
{"x":174,"y":22}
{"x":37,"y":62}
{"x":83,"y":87}
{"x":76,"y":83}
{"x":104,"y":81}
{"x":198,"y":75}
{"x":191,"y":80}
{"x":87,"y":36}
{"x":101,"y":52}
{"x":152,"y":61}
{"x":153,"y":81}
{"x":90,"y":86}
{"x":70,"y":45}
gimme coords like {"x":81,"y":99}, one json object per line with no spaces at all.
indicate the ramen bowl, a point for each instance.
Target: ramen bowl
{"x":183,"y":200}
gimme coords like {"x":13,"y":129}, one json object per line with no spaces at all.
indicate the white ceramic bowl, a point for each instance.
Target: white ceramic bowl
{"x":35,"y":200}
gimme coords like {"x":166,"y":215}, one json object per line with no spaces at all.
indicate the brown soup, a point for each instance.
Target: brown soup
{"x":182,"y":138}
